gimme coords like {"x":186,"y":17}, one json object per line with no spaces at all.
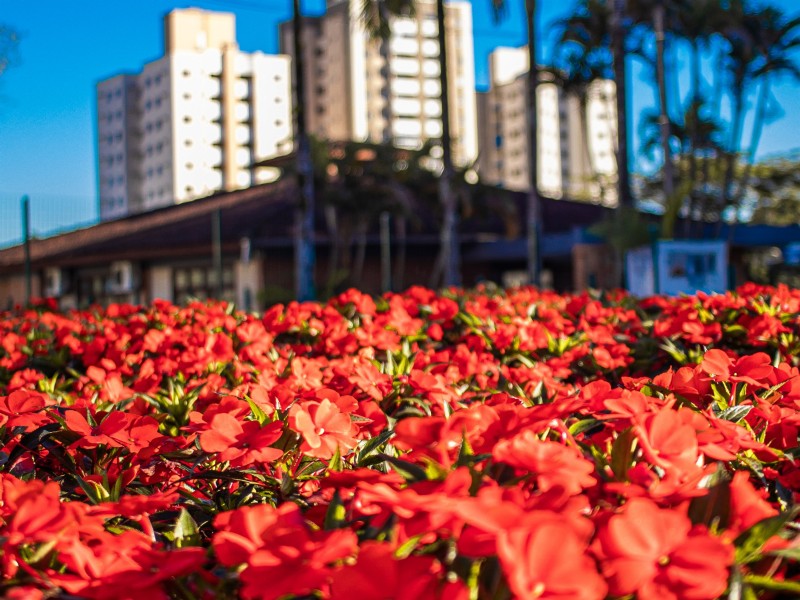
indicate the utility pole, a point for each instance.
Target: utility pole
{"x":304,"y":259}
{"x":663,"y":116}
{"x":534,"y":226}
{"x":451,"y":255}
{"x":26,"y":236}
{"x":625,"y":198}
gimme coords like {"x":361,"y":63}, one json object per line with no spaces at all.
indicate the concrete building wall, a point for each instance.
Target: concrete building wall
{"x":192,"y":122}
{"x":117,"y":145}
{"x":12,"y":289}
{"x":160,"y":283}
{"x":193,"y":29}
{"x":576,"y":154}
{"x":361,"y":89}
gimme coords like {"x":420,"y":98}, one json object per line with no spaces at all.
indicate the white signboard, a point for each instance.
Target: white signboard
{"x":687,"y":266}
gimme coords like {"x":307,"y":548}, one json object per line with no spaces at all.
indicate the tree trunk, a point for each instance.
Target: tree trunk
{"x":618,"y":49}
{"x":737,"y":118}
{"x":534,"y":225}
{"x":663,"y":117}
{"x":755,"y":139}
{"x":304,"y":215}
{"x":450,"y":259}
{"x":694,"y":113}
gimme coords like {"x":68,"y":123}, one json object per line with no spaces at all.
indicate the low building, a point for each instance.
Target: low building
{"x":576,"y":153}
{"x":239,"y":246}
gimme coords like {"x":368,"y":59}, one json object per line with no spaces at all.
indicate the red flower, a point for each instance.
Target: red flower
{"x":324,"y":427}
{"x":282,"y":556}
{"x":552,"y":464}
{"x":24,"y":408}
{"x":117,"y":429}
{"x":241,"y":442}
{"x":379,"y":575}
{"x":549,"y":559}
{"x":657,"y":554}
{"x":670,"y":442}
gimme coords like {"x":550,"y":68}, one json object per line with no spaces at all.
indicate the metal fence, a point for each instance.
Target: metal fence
{"x":50,"y":215}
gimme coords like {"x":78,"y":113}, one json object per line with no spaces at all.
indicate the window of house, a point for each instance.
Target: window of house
{"x":201,"y":282}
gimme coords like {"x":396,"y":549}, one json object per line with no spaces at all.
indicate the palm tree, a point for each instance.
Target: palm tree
{"x":533,"y":219}
{"x":592,"y":43}
{"x":376,"y":18}
{"x":698,"y":23}
{"x":620,"y":78}
{"x":9,"y":46}
{"x":579,"y":61}
{"x":760,"y":46}
{"x":775,"y":39}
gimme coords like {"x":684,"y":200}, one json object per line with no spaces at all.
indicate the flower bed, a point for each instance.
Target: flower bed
{"x":467,"y":445}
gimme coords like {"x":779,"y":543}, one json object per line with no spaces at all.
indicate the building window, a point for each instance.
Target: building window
{"x":201,"y":282}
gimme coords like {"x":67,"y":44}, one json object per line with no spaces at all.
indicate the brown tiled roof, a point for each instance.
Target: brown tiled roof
{"x":265,"y":214}
{"x":175,"y":230}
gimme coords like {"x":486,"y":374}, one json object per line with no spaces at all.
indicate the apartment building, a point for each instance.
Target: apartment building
{"x":576,"y":136}
{"x":192,"y":122}
{"x":389,"y":91}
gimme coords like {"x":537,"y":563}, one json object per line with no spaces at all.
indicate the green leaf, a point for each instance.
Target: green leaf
{"x":258,"y":412}
{"x":584,"y":425}
{"x":336,"y":513}
{"x":622,"y":454}
{"x":767,"y":583}
{"x":787,"y":553}
{"x":335,"y":463}
{"x":735,"y":413}
{"x":372,"y":444}
{"x":750,"y":543}
{"x":405,"y":550}
{"x":287,"y":485}
{"x":408,"y":470}
{"x":714,"y":509}
{"x":186,"y":533}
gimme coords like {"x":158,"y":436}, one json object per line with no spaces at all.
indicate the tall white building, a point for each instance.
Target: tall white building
{"x":361,"y":89}
{"x":192,"y":122}
{"x":576,"y":136}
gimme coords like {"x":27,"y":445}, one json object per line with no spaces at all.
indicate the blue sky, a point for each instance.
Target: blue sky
{"x":47,"y":130}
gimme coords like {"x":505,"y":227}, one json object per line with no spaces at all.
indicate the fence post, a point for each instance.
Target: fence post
{"x":26,"y":236}
{"x":216,"y":249}
{"x":386,"y":254}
